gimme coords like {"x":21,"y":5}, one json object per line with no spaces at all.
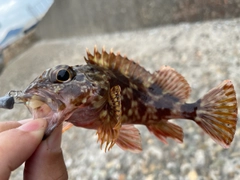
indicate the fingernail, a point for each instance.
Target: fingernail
{"x":33,"y":125}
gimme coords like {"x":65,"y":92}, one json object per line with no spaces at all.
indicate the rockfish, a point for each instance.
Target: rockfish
{"x":112,"y":93}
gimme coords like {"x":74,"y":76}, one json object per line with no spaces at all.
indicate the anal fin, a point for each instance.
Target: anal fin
{"x":129,"y":139}
{"x":165,"y":129}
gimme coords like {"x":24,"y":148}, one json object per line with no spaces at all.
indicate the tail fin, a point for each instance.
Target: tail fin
{"x":217,"y":113}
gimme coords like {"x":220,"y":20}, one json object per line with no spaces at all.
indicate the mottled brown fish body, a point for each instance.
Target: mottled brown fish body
{"x":112,"y":93}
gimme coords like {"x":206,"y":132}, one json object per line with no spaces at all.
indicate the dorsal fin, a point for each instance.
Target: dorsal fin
{"x":172,"y":82}
{"x":119,"y":65}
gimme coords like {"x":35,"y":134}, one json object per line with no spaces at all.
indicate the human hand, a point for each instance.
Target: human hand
{"x":22,"y":142}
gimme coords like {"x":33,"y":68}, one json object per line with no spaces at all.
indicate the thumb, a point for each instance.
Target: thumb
{"x":47,"y":161}
{"x":17,"y":145}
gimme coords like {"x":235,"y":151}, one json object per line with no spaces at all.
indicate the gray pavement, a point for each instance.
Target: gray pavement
{"x":204,"y":53}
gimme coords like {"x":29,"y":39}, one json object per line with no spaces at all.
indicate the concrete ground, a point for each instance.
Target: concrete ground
{"x":204,"y":53}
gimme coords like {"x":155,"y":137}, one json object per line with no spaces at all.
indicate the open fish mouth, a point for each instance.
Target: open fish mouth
{"x":41,"y":105}
{"x":38,"y":107}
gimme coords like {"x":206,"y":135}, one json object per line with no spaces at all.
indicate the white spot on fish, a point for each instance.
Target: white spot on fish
{"x":130,"y":112}
{"x":103,"y":114}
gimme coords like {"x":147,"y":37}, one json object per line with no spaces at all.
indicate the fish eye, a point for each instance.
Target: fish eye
{"x":61,"y":74}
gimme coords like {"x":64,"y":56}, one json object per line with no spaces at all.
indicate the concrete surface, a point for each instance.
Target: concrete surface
{"x":81,"y":17}
{"x":84,"y":18}
{"x":204,"y":53}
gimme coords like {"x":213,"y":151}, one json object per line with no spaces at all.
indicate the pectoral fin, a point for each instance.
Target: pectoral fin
{"x":111,"y":119}
{"x":116,"y":106}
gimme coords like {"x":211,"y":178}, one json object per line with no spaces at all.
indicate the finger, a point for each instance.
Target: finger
{"x":17,"y":145}
{"x":47,"y":161}
{"x":6,"y":125}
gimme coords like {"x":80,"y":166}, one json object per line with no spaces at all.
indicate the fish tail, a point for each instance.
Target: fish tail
{"x":216,"y":113}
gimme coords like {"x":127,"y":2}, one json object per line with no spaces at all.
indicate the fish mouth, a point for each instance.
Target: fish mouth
{"x":44,"y":105}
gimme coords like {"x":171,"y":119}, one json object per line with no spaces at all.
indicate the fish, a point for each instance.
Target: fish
{"x":111,"y":94}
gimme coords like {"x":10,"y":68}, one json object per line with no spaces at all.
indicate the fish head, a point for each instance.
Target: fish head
{"x":63,"y":90}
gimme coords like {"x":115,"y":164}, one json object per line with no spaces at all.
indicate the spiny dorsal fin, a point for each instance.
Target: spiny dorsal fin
{"x":119,"y":65}
{"x":172,"y":82}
